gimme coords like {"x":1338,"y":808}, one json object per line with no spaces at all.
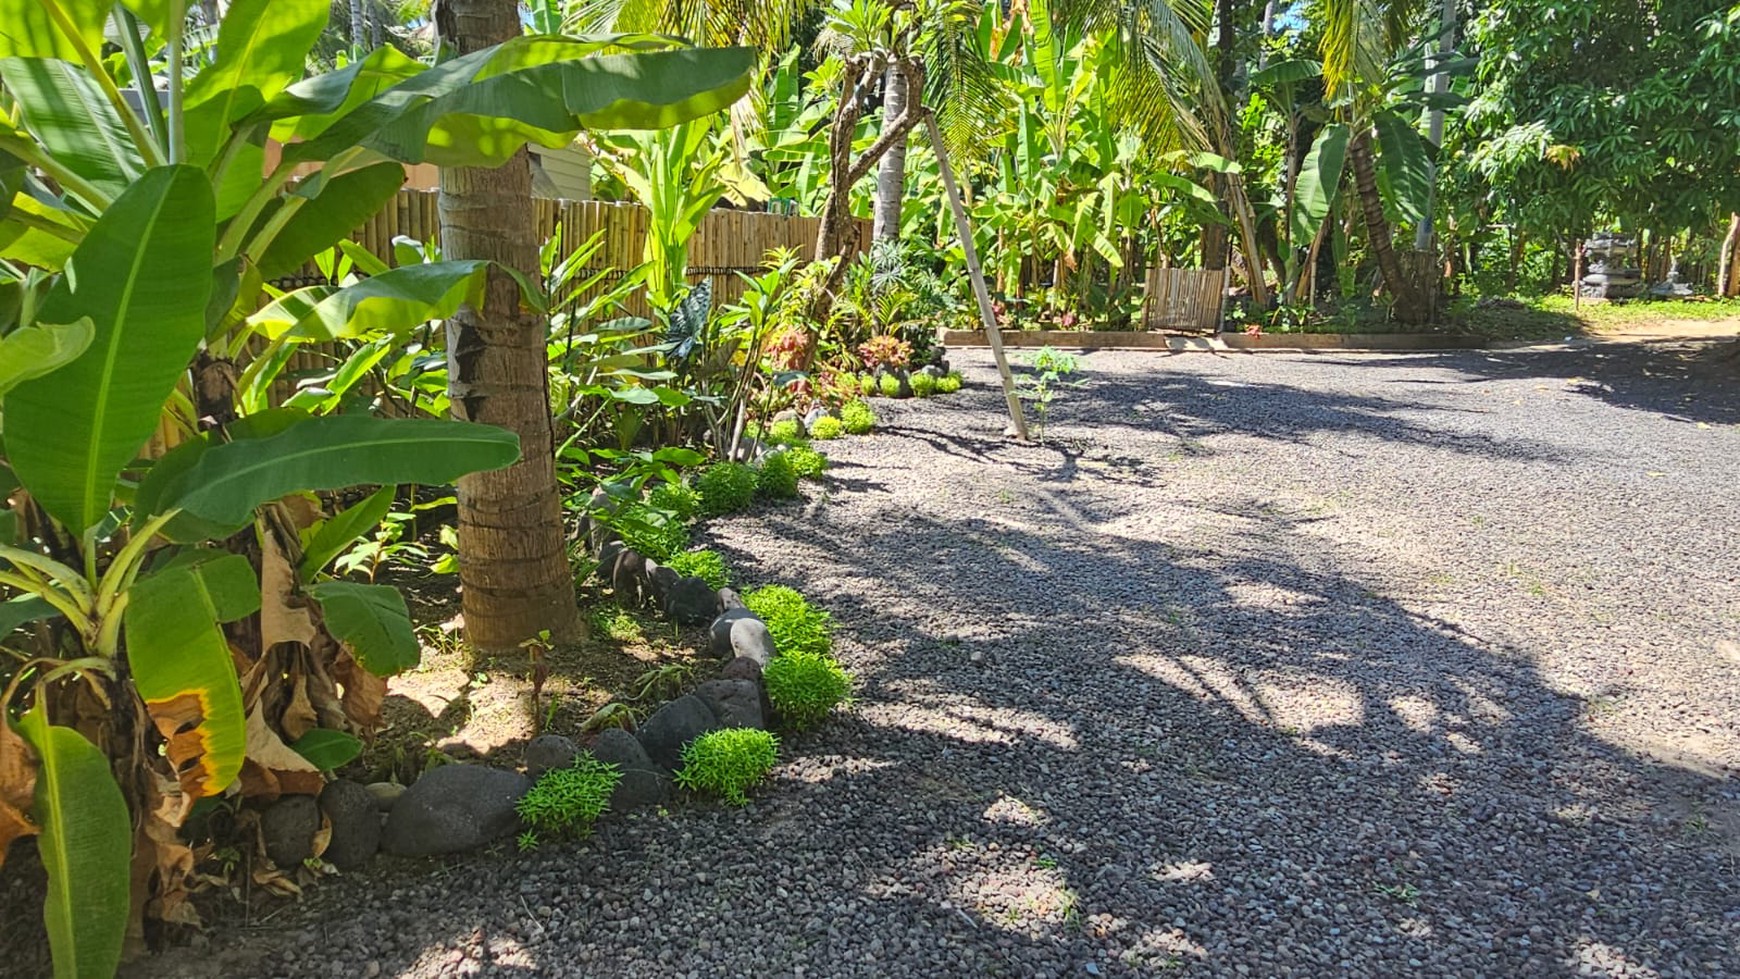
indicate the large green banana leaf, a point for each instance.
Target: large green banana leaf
{"x":332,"y":209}
{"x":1319,"y":179}
{"x":146,"y":271}
{"x":32,"y":245}
{"x":38,"y":349}
{"x":1405,"y":165}
{"x":391,"y":302}
{"x":181,"y":665}
{"x":32,"y":28}
{"x":86,"y":846}
{"x":331,"y":536}
{"x":227,"y":481}
{"x":373,"y":621}
{"x":262,"y":47}
{"x":68,"y":114}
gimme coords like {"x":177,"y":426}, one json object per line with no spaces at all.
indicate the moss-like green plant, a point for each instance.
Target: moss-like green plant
{"x":949,"y":383}
{"x":728,"y":762}
{"x":677,"y":499}
{"x":792,"y":623}
{"x":775,"y":477}
{"x":807,"y":462}
{"x":566,"y":801}
{"x":866,"y":384}
{"x":889,"y":385}
{"x":616,"y":624}
{"x":857,"y":417}
{"x":654,"y":533}
{"x":726,"y":487}
{"x":709,"y":566}
{"x":923,"y":385}
{"x":785,"y":431}
{"x":828,"y":427}
{"x":804,"y":687}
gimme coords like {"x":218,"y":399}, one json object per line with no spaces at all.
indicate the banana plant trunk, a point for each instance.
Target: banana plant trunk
{"x":891,"y":171}
{"x":1410,"y":306}
{"x":513,"y":562}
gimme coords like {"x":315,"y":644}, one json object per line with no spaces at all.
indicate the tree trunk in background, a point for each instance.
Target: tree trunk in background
{"x":891,"y":171}
{"x":1215,"y":236}
{"x":1409,"y":306}
{"x":1728,"y":263}
{"x":1438,"y":84}
{"x":513,"y":560}
{"x":359,"y":26}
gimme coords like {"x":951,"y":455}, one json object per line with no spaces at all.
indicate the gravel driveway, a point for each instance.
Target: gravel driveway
{"x":1268,"y":665}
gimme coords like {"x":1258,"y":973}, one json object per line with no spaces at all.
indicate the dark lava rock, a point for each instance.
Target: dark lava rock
{"x":642,"y":783}
{"x":356,"y":824}
{"x":736,"y":703}
{"x":288,"y":827}
{"x":674,"y":725}
{"x":690,"y":601}
{"x":547,"y":752}
{"x":454,"y":808}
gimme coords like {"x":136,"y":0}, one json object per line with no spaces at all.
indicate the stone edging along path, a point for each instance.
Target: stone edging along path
{"x":1132,"y":340}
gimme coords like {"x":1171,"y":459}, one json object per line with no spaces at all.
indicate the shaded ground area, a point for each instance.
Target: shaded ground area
{"x":1546,"y":318}
{"x":1267,"y":665}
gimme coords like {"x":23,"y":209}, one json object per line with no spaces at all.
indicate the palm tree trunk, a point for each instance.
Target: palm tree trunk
{"x":891,"y":171}
{"x":513,"y":563}
{"x":359,"y":27}
{"x":1728,"y":268}
{"x":1410,"y":306}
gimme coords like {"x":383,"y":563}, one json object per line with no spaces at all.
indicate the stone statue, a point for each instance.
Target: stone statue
{"x":1610,"y":270}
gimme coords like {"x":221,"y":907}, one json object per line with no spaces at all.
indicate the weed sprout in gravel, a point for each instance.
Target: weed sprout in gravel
{"x":727,"y":763}
{"x":566,"y":801}
{"x":792,"y":623}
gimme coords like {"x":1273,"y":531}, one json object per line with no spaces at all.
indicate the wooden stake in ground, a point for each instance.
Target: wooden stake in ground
{"x":513,"y":556}
{"x":986,"y":314}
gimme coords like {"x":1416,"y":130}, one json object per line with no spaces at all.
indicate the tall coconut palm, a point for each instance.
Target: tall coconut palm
{"x":513,"y":565}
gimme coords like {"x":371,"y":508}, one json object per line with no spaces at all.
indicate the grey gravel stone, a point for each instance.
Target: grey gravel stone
{"x":355,"y":817}
{"x":288,"y":827}
{"x":454,"y":808}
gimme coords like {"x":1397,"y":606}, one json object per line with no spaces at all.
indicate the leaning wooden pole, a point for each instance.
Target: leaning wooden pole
{"x":986,"y":314}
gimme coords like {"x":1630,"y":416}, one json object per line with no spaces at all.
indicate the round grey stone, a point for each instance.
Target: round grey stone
{"x":356,"y":824}
{"x":454,"y":808}
{"x":288,"y":827}
{"x":674,"y":725}
{"x":547,"y":752}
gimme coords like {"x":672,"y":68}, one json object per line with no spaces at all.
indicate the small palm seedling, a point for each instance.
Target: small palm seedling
{"x":857,"y":417}
{"x":775,"y":478}
{"x":804,"y":686}
{"x":828,"y":427}
{"x":726,"y":487}
{"x":566,"y":801}
{"x":727,"y":763}
{"x":709,"y":566}
{"x":791,"y":622}
{"x":807,"y":462}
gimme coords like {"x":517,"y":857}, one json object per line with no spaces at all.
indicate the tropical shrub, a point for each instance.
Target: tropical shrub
{"x":807,"y":462}
{"x":677,"y":499}
{"x":567,"y":801}
{"x":857,"y":417}
{"x":726,"y":487}
{"x":785,"y":431}
{"x":728,"y":763}
{"x":949,"y":383}
{"x":793,"y":624}
{"x":923,"y":385}
{"x":654,"y":533}
{"x":709,"y":566}
{"x":828,"y":427}
{"x":866,"y":384}
{"x":888,"y":385}
{"x":889,"y":352}
{"x":775,"y":478}
{"x":805,"y":686}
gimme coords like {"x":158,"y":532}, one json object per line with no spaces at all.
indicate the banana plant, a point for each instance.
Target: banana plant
{"x":171,"y":641}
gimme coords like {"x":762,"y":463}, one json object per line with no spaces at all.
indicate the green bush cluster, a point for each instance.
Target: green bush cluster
{"x":727,"y":763}
{"x":828,"y":427}
{"x":949,"y":383}
{"x":923,"y":385}
{"x":677,"y":499}
{"x":857,"y":417}
{"x":867,"y":384}
{"x":807,"y":462}
{"x":709,"y":566}
{"x":654,"y":533}
{"x":726,"y":487}
{"x":785,"y":431}
{"x":889,"y":385}
{"x":566,"y":801}
{"x":792,"y":623}
{"x":805,"y":686}
{"x":617,"y":624}
{"x":775,"y":477}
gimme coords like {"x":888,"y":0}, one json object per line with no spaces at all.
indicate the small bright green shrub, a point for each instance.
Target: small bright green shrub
{"x":949,"y":383}
{"x":857,"y":417}
{"x":677,"y":499}
{"x":923,"y":385}
{"x":616,"y":624}
{"x":866,"y":384}
{"x":828,"y":427}
{"x":726,"y":487}
{"x":807,"y":462}
{"x":654,"y":533}
{"x":804,"y":687}
{"x":566,"y":801}
{"x":889,"y":385}
{"x":728,"y":762}
{"x":775,"y":478}
{"x":709,"y":566}
{"x":792,"y":623}
{"x":785,"y":431}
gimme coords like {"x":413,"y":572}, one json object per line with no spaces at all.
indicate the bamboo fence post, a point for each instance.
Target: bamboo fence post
{"x":977,"y":274}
